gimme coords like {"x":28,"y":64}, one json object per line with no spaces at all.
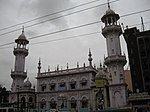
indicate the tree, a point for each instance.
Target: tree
{"x":4,"y":96}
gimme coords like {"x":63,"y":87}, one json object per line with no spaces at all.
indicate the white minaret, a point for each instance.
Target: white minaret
{"x":115,"y":60}
{"x":20,"y":51}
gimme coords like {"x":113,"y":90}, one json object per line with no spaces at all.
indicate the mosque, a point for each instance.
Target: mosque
{"x":79,"y":89}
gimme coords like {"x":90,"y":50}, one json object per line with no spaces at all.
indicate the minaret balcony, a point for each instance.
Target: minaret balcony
{"x":115,"y":59}
{"x":114,"y":29}
{"x":18,"y":74}
{"x":21,"y":51}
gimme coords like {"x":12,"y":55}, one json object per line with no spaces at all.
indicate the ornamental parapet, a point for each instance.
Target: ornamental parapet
{"x":68,"y":71}
{"x":115,"y":59}
{"x":21,"y":51}
{"x":18,"y":73}
{"x":111,"y":28}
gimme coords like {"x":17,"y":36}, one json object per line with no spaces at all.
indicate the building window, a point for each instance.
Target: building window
{"x":121,"y":75}
{"x":83,"y":82}
{"x":43,"y":104}
{"x":72,"y":85}
{"x":52,"y":87}
{"x":62,"y":86}
{"x":84,"y":103}
{"x":43,"y":87}
{"x":73,"y":103}
{"x":53,"y":104}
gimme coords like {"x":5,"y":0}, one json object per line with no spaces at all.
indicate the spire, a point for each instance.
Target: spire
{"x":100,"y":65}
{"x":142,"y":24}
{"x":90,"y":58}
{"x":39,"y":66}
{"x":22,"y":29}
{"x":108,"y":4}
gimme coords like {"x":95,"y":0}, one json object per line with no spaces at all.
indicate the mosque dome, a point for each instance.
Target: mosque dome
{"x":27,"y":84}
{"x":22,"y":37}
{"x":99,"y":75}
{"x":109,"y":12}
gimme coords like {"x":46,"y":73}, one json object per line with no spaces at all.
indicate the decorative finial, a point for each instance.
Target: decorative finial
{"x":39,"y":66}
{"x":22,"y":29}
{"x":108,"y":4}
{"x":100,"y":65}
{"x":84,"y":65}
{"x":39,"y":62}
{"x":67,"y":66}
{"x":90,"y":58}
{"x":48,"y":68}
{"x":103,"y":64}
{"x":77,"y":64}
{"x":57,"y":67}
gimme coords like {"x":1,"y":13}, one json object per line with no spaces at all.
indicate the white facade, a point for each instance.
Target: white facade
{"x":69,"y":89}
{"x":115,"y":60}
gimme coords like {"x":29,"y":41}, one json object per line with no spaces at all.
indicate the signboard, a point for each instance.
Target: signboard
{"x":100,"y":83}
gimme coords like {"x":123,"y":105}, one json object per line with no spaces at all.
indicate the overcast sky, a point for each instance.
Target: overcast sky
{"x":60,"y":52}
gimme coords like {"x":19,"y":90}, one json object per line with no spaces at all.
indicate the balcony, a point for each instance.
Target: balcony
{"x":18,"y":74}
{"x":20,"y":50}
{"x":115,"y":59}
{"x":111,"y":28}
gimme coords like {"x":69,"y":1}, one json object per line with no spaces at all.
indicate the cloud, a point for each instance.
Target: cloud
{"x":39,"y":8}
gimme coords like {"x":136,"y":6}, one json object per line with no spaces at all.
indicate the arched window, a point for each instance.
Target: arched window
{"x":30,"y":99}
{"x":84,"y":102}
{"x":83,"y":82}
{"x":72,"y":84}
{"x":53,"y":104}
{"x":23,"y":102}
{"x":43,"y":104}
{"x":30,"y":102}
{"x":73,"y":103}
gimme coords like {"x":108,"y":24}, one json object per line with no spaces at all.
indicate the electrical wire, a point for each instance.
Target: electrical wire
{"x":76,"y":27}
{"x":65,"y":38}
{"x":56,"y":18}
{"x":58,"y":39}
{"x":53,"y":40}
{"x":57,"y":12}
{"x":56,"y":32}
{"x":133,"y":13}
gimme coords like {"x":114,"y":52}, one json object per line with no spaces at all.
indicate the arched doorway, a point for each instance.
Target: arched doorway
{"x":23,"y":104}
